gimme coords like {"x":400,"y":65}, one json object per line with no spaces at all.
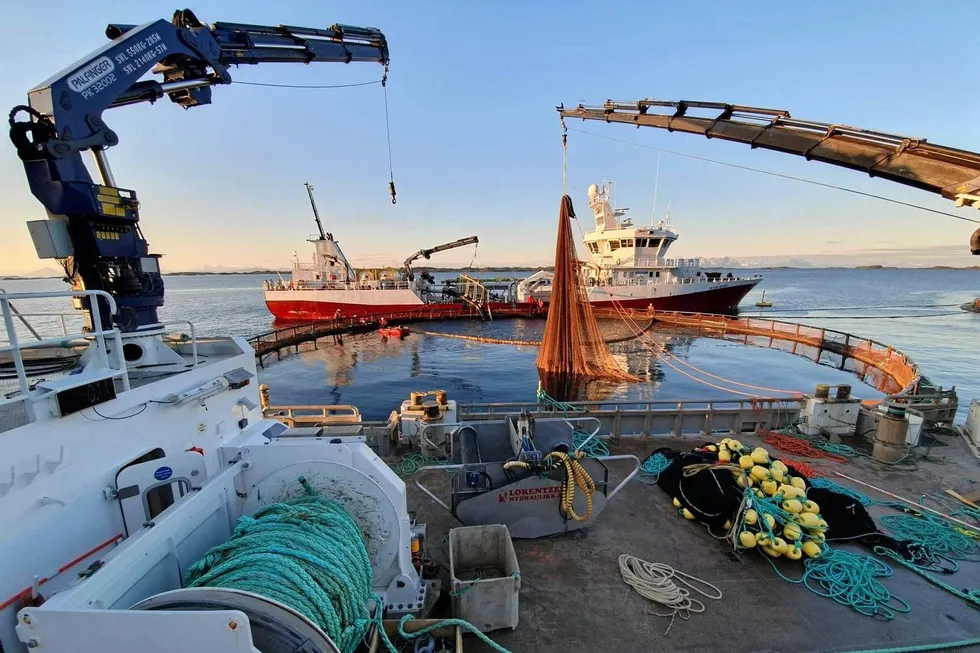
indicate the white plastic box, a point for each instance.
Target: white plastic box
{"x":973,"y":421}
{"x":830,"y":416}
{"x":484,"y":576}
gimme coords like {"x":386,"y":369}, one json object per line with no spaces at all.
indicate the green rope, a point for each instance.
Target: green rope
{"x":934,"y":533}
{"x":551,"y":402}
{"x":827,"y":484}
{"x":850,"y":579}
{"x":652,"y":467}
{"x":921,"y":647}
{"x":970,"y":596}
{"x":412,"y":462}
{"x":309,"y":555}
{"x":820,"y":442}
{"x":593,"y":447}
{"x":422,"y":632}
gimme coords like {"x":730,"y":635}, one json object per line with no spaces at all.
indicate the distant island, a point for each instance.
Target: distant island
{"x":417,"y":269}
{"x":216,"y":274}
{"x":49,"y":274}
{"x":931,"y":267}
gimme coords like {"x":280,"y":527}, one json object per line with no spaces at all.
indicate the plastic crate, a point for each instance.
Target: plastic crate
{"x":484,"y":576}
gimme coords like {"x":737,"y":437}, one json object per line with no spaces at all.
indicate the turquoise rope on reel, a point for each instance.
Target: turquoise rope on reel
{"x":309,"y":555}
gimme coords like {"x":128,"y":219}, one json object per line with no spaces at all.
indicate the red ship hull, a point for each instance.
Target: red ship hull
{"x":720,"y":300}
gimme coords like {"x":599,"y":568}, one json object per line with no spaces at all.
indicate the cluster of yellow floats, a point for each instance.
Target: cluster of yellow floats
{"x":775,"y":514}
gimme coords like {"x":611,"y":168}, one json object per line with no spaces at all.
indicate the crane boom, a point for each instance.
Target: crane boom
{"x":97,"y":224}
{"x":316,"y":214}
{"x":950,"y":172}
{"x":427,"y":253}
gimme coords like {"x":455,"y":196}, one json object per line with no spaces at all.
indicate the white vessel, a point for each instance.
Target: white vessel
{"x":628,"y":268}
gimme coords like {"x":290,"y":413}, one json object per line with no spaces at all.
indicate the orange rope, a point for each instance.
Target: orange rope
{"x":797,"y":447}
{"x":639,"y":336}
{"x":802,"y":467}
{"x":663,"y":350}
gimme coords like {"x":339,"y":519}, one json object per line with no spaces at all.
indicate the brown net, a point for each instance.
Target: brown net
{"x":573,"y":345}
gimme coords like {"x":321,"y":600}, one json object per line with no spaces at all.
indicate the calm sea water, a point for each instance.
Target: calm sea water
{"x":914,"y":310}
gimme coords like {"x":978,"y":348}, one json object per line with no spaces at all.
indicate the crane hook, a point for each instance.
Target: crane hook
{"x":391,"y":189}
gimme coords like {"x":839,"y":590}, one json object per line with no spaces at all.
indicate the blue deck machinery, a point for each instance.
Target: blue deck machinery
{"x":93,"y":225}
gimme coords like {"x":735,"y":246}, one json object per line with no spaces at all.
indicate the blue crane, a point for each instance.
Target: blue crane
{"x":93,"y":227}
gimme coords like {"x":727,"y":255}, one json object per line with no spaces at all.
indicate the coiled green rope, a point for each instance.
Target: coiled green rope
{"x":850,"y":579}
{"x":308,"y":554}
{"x":936,"y":534}
{"x":591,"y":446}
{"x":412,"y":462}
{"x":652,"y":467}
{"x":969,"y":595}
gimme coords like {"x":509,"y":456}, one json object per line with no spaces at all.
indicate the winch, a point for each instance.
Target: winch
{"x":519,"y":470}
{"x":134,"y":600}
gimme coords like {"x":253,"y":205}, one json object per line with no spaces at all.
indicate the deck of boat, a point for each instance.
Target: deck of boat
{"x":572,"y":595}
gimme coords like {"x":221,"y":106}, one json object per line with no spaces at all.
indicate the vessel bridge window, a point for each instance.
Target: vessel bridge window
{"x":627,"y":242}
{"x":655,"y":242}
{"x":593,"y":247}
{"x":613,"y":245}
{"x":641,"y":242}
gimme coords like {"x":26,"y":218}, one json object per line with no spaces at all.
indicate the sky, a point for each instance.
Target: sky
{"x":475,"y":138}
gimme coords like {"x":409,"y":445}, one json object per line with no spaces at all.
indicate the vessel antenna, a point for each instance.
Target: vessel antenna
{"x":656,"y":186}
{"x":316,"y":214}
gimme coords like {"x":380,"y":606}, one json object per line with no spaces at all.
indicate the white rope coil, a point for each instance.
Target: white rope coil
{"x":655,"y":581}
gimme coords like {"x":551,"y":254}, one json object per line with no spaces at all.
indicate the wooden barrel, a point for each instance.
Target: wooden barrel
{"x":889,"y":439}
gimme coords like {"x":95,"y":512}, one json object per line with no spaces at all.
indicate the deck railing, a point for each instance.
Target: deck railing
{"x":828,"y":346}
{"x":15,"y":405}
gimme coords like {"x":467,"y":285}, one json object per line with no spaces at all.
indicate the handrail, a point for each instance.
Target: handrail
{"x":27,"y":324}
{"x":193,"y":336}
{"x":878,"y":355}
{"x":99,"y":334}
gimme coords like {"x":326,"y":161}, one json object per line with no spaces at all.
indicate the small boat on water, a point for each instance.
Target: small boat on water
{"x":762,"y":303}
{"x":394,"y":332}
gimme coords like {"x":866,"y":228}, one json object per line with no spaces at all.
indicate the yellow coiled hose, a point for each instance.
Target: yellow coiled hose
{"x":575,"y":476}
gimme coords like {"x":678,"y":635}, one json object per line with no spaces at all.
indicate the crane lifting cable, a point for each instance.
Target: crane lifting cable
{"x":573,"y":346}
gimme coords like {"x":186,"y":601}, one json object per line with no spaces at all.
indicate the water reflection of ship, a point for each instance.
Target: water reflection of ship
{"x":341,"y":361}
{"x":636,"y":356}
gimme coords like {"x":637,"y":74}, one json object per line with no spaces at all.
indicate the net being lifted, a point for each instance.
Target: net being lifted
{"x":573,"y":344}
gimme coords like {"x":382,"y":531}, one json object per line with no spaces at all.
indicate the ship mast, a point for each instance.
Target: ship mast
{"x":316,"y":214}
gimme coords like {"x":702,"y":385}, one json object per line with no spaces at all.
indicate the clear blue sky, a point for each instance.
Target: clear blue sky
{"x":475,"y":138}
